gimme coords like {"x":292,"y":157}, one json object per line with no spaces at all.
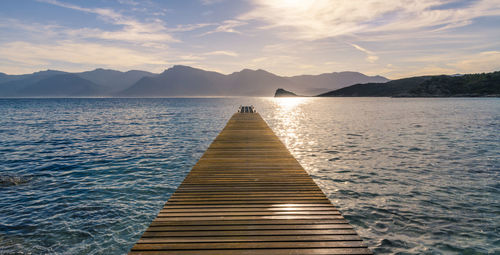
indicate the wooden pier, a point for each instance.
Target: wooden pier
{"x":248,"y":195}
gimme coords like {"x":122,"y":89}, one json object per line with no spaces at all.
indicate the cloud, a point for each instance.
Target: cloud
{"x":371,"y":58}
{"x":189,"y":27}
{"x":271,"y":62}
{"x":108,"y":13}
{"x":222,"y":53}
{"x":321,"y":36}
{"x":227,"y":26}
{"x":132,"y":29}
{"x":190,"y":57}
{"x":318,"y":19}
{"x":210,"y":2}
{"x":486,"y":61}
{"x":74,"y":53}
{"x":128,"y":2}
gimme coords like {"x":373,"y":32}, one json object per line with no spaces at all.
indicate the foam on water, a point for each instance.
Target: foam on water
{"x":87,"y":176}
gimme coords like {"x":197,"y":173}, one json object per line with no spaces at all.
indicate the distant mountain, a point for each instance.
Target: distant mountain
{"x":3,"y":77}
{"x":99,"y":82}
{"x":485,"y":84}
{"x":256,"y":82}
{"x":316,"y":84}
{"x":284,"y":93}
{"x":62,"y":85}
{"x":187,"y":81}
{"x":13,"y":85}
{"x":176,"y":81}
{"x":113,"y":81}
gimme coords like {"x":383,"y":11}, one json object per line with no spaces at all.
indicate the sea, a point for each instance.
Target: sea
{"x":412,"y":175}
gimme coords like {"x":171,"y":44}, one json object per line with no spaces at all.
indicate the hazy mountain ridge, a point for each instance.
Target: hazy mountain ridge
{"x":257,"y":82}
{"x":176,"y":81}
{"x":467,"y":85}
{"x":331,"y":81}
{"x":98,"y":82}
{"x":114,"y":81}
{"x":3,"y":77}
{"x":188,"y":81}
{"x":62,"y":85}
{"x":13,"y":85}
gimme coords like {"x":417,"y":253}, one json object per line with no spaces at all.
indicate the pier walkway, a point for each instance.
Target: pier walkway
{"x":248,"y":195}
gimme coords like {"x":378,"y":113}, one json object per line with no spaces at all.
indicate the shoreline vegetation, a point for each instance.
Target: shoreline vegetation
{"x":439,"y":86}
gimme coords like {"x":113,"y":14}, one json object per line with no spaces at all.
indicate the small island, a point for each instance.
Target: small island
{"x":284,"y":93}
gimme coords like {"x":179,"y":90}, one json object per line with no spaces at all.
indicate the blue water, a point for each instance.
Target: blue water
{"x":87,"y":176}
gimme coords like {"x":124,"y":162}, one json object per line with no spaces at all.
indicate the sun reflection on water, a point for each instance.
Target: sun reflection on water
{"x":288,"y":112}
{"x":290,"y":103}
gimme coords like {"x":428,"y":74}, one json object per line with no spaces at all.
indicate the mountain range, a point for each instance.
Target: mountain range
{"x":173,"y":82}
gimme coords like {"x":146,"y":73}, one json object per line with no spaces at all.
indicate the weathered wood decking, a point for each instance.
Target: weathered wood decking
{"x":248,"y":195}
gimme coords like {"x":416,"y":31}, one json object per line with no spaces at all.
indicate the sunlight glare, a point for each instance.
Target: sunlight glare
{"x":287,"y":104}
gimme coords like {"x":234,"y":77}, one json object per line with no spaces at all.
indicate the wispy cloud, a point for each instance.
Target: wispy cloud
{"x":132,"y":30}
{"x":486,"y":61}
{"x":480,"y":62}
{"x":190,"y":57}
{"x":269,"y":62}
{"x":228,"y":26}
{"x":129,"y":2}
{"x":68,"y":53}
{"x":222,"y":53}
{"x":189,"y":27}
{"x":371,"y":57}
{"x":108,"y":13}
{"x":318,"y":19}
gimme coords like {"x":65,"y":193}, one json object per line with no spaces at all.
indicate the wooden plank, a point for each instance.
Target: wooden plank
{"x":276,"y":217}
{"x":342,"y":224}
{"x":258,"y":251}
{"x":248,"y":195}
{"x":248,"y":245}
{"x":290,"y":206}
{"x":157,"y":222}
{"x":250,"y":209}
{"x":260,"y":238}
{"x":199,"y":213}
{"x":287,"y":232}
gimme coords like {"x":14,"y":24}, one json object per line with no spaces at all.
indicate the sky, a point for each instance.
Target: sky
{"x":393,"y":38}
